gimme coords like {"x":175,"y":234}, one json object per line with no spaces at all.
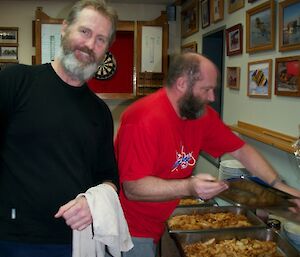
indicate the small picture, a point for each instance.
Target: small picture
{"x":190,"y":47}
{"x":8,"y":53}
{"x":260,"y":27}
{"x":234,"y":40}
{"x":287,"y":76}
{"x":205,"y":16}
{"x":289,"y":25}
{"x":8,"y":35}
{"x":190,"y":19}
{"x":217,"y":10}
{"x":259,"y":79}
{"x":234,"y":5}
{"x":233,"y":77}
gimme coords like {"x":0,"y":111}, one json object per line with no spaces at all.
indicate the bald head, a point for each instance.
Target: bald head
{"x":191,"y":65}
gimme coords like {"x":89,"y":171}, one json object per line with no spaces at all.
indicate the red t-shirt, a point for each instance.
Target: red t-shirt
{"x":153,"y":141}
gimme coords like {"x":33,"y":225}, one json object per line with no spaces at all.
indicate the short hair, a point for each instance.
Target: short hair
{"x":98,"y":5}
{"x":184,"y":64}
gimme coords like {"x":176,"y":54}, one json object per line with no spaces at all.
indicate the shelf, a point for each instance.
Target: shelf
{"x":116,"y":96}
{"x":267,"y":136}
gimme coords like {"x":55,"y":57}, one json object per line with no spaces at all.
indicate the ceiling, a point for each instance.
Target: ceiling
{"x":162,"y":2}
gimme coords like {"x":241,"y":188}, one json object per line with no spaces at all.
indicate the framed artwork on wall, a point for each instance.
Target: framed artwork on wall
{"x":233,"y":77}
{"x":217,"y":10}
{"x":260,"y":79}
{"x":289,"y":25}
{"x":234,"y":40}
{"x":260,"y":27}
{"x":205,"y":15}
{"x":190,"y":18}
{"x":189,"y":47}
{"x":8,"y":53}
{"x":287,"y":76}
{"x":234,"y":5}
{"x":9,"y":35}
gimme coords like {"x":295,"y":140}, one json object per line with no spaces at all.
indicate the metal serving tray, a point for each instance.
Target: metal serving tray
{"x":265,"y":234}
{"x":210,"y":202}
{"x":253,"y":193}
{"x":253,"y":219}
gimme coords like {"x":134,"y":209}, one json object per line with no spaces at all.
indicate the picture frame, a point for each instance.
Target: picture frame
{"x":289,"y":29}
{"x":259,"y":79}
{"x":287,"y":76}
{"x":8,"y":53}
{"x":190,"y":19}
{"x":235,"y":5}
{"x":217,"y":10}
{"x":189,"y":47}
{"x":205,"y":14}
{"x":9,"y":36}
{"x":260,"y":27}
{"x":234,"y":40}
{"x":233,"y":77}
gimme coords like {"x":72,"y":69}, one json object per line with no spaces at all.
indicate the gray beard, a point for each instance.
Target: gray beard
{"x":74,"y":68}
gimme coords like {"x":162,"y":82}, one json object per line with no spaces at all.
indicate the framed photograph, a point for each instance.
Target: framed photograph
{"x":287,"y":76}
{"x":260,"y":79}
{"x":289,"y":25}
{"x":205,"y":15}
{"x":8,"y":53}
{"x":260,"y":27}
{"x":234,"y":40}
{"x":190,"y":47}
{"x":217,"y":10}
{"x":234,"y":5}
{"x":233,"y":77}
{"x":190,"y":18}
{"x":9,"y":35}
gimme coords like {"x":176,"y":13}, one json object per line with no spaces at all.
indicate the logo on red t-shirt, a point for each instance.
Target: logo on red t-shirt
{"x":183,"y":160}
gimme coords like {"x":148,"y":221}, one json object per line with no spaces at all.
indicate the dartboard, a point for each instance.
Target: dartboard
{"x":107,"y":68}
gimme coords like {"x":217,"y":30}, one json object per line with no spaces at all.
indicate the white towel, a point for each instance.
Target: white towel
{"x":109,"y":225}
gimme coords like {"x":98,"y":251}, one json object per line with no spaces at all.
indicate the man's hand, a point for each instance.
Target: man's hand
{"x":295,"y":209}
{"x":206,"y":186}
{"x":76,"y":213}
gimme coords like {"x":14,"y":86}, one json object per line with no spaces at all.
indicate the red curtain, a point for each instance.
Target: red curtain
{"x":122,"y":81}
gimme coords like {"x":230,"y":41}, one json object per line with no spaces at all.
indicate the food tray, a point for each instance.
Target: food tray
{"x":253,"y":193}
{"x":265,"y":234}
{"x":210,"y":202}
{"x":252,"y":218}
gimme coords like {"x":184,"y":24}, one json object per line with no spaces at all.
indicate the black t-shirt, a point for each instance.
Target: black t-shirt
{"x":56,"y":142}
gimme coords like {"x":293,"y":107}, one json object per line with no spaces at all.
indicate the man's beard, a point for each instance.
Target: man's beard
{"x":190,"y":107}
{"x":75,"y":68}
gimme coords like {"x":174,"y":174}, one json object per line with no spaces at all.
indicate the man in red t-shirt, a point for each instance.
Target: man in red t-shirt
{"x":157,"y":145}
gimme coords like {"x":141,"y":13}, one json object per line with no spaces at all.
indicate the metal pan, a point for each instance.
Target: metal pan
{"x":253,"y":193}
{"x":252,"y":218}
{"x":198,"y":202}
{"x":264,"y":234}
